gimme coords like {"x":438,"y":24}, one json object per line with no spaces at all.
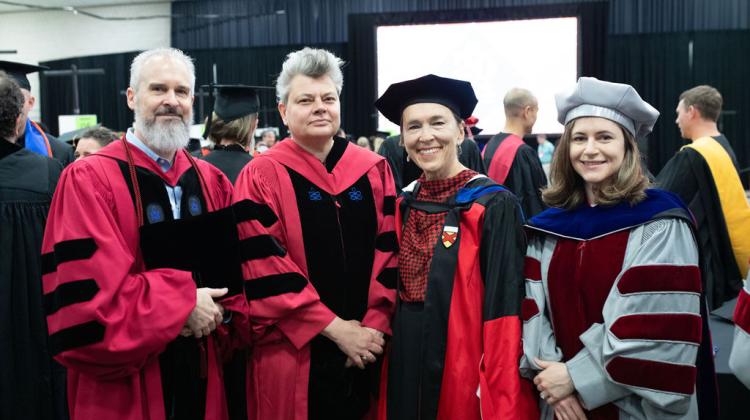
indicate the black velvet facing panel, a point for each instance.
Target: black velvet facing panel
{"x":203,"y":243}
{"x":206,"y":245}
{"x":76,"y":336}
{"x":274,"y":285}
{"x":74,"y":249}
{"x":246,"y":210}
{"x":261,"y":246}
{"x":68,"y":294}
{"x":339,"y":240}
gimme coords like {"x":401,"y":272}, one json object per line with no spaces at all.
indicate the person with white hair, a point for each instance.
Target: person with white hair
{"x":323,"y":296}
{"x":129,"y":290}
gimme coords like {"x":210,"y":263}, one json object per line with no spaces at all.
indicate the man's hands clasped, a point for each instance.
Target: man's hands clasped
{"x":206,"y":314}
{"x":360,"y":344}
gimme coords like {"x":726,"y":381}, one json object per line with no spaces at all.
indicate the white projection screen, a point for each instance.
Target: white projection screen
{"x":537,"y":54}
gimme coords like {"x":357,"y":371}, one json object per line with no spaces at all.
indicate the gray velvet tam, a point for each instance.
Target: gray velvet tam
{"x":617,"y":102}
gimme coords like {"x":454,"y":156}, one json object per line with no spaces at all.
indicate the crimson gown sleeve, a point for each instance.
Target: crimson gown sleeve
{"x":104,"y":317}
{"x":278,"y":292}
{"x":382,"y":293}
{"x":739,"y":359}
{"x":503,"y":392}
{"x":234,"y":332}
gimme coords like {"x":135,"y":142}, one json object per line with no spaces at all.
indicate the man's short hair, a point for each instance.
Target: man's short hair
{"x":137,"y":65}
{"x":706,"y":99}
{"x":102,"y":135}
{"x":516,"y":100}
{"x":310,"y":62}
{"x":11,"y":105}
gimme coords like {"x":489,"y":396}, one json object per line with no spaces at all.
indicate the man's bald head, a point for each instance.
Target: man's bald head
{"x":521,"y":108}
{"x":516,"y":100}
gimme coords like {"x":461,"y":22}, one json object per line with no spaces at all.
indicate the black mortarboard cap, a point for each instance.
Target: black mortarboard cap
{"x":232,"y":102}
{"x":457,"y":95}
{"x":18,"y":71}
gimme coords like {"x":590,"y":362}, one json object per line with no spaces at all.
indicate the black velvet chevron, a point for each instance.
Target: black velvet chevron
{"x":68,"y":294}
{"x":71,"y":250}
{"x":76,"y":336}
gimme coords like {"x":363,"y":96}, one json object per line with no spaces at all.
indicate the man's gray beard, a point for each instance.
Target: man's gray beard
{"x":164,"y":138}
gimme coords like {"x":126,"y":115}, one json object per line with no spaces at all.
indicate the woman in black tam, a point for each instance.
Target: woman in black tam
{"x":231,"y":127}
{"x":457,"y":328}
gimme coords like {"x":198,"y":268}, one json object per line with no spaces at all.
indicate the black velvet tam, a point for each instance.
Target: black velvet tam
{"x":18,"y":71}
{"x":457,"y":95}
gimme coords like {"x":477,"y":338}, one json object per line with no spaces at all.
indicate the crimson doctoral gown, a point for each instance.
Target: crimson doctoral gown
{"x":110,"y":319}
{"x":321,"y":243}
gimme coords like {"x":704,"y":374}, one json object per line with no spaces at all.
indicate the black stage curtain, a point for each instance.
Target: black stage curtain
{"x":361,"y":74}
{"x":660,"y":67}
{"x":104,"y":95}
{"x":245,"y":23}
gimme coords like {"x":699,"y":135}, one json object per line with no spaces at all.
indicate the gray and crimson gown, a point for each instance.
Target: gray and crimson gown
{"x":615,"y":293}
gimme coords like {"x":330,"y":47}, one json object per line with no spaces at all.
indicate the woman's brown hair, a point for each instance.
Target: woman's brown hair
{"x":566,"y":188}
{"x":237,"y":130}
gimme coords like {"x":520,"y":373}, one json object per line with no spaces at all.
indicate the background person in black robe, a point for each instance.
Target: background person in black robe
{"x":517,"y":167}
{"x":60,"y":150}
{"x":32,"y":386}
{"x":688,"y":175}
{"x":405,"y":171}
{"x":231,"y":128}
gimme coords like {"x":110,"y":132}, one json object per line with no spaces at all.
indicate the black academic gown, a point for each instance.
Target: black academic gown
{"x":405,"y":172}
{"x":526,"y":177}
{"x":688,"y":175}
{"x":32,"y":386}
{"x":61,"y":151}
{"x":229,"y":159}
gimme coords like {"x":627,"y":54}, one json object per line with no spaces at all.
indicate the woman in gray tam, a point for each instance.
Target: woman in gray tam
{"x":612,"y":315}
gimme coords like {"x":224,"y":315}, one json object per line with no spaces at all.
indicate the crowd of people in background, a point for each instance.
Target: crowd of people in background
{"x":419,"y":275}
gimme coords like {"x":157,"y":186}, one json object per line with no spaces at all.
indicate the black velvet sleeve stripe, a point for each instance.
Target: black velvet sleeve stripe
{"x":389,"y":205}
{"x":389,"y":277}
{"x":75,"y":249}
{"x":387,"y":242}
{"x":68,"y":294}
{"x":260,"y":246}
{"x":274,"y":285}
{"x":249,"y":210}
{"x":76,"y":336}
{"x":48,"y":263}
